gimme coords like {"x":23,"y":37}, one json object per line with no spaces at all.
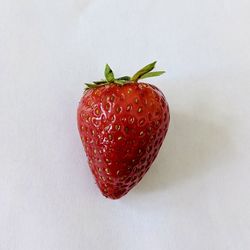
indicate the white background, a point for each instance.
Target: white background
{"x":196,"y":195}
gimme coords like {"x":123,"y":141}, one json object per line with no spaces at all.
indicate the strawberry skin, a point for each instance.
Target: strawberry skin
{"x":122,"y":128}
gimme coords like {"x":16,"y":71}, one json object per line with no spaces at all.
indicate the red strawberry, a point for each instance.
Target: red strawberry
{"x":122,"y":124}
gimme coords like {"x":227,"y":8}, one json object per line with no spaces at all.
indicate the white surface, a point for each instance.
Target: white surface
{"x":196,"y":196}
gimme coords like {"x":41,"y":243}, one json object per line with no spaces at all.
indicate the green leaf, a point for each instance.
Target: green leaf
{"x":90,"y":85}
{"x":99,"y":82}
{"x":120,"y":82}
{"x":109,"y":75}
{"x":126,"y":78}
{"x":152,"y":74}
{"x":143,"y":71}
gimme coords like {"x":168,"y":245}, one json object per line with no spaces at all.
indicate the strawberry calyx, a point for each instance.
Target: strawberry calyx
{"x":143,"y":73}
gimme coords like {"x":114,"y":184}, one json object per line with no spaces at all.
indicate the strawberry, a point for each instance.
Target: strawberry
{"x":122,"y":124}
